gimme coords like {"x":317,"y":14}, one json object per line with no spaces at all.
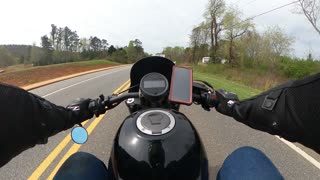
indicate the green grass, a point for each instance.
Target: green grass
{"x":86,"y":63}
{"x":95,"y":62}
{"x":16,"y":68}
{"x":218,"y":82}
{"x":21,"y":67}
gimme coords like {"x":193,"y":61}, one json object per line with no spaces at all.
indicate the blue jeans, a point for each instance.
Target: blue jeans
{"x":84,"y":166}
{"x":244,"y":163}
{"x":248,"y":163}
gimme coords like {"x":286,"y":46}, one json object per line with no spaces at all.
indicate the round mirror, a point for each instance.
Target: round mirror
{"x":79,"y":135}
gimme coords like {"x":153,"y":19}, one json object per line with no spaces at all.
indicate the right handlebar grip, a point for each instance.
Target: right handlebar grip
{"x":207,"y":100}
{"x":212,"y":100}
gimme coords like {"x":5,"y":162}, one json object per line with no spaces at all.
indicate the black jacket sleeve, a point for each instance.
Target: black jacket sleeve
{"x":291,"y":111}
{"x":27,"y":120}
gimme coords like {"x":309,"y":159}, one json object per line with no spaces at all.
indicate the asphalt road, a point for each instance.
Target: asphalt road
{"x":220,"y":134}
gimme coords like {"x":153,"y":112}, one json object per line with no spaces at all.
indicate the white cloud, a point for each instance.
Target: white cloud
{"x":157,"y":23}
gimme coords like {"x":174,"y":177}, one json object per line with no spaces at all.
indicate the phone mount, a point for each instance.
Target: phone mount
{"x":181,"y":85}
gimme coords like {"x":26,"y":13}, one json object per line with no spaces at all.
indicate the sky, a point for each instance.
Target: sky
{"x":157,"y":23}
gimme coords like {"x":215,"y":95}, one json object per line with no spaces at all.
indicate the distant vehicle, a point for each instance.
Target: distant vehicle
{"x":223,"y":61}
{"x":161,"y":55}
{"x":205,"y":60}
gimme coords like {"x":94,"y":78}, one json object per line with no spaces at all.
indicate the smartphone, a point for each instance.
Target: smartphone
{"x":181,"y":85}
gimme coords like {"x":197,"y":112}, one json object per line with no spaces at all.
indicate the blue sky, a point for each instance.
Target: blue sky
{"x":157,"y":23}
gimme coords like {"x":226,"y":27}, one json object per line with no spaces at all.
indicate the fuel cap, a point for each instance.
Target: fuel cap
{"x":155,"y":122}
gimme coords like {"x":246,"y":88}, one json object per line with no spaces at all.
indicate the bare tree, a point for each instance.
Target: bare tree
{"x":234,"y":28}
{"x":199,"y":41}
{"x":250,"y":46}
{"x":214,"y":15}
{"x":311,"y":9}
{"x":84,"y":44}
{"x":279,"y":41}
{"x":53,"y":35}
{"x":195,"y":42}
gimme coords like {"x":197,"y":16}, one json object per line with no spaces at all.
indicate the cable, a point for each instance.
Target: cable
{"x":271,"y":10}
{"x":253,"y":17}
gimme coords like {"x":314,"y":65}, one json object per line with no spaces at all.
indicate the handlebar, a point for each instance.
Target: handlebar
{"x":99,"y":106}
{"x":119,"y":99}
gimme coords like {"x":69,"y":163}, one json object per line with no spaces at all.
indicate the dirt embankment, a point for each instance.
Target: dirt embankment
{"x":33,"y":75}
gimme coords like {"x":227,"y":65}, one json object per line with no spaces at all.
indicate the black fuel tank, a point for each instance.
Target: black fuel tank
{"x":158,"y":144}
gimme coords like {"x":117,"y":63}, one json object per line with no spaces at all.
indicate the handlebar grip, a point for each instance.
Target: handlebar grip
{"x":97,"y":106}
{"x":94,"y":107}
{"x":207,"y":100}
{"x":212,"y":101}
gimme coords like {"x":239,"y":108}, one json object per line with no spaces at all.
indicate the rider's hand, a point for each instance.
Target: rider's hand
{"x":80,"y":110}
{"x":97,"y":106}
{"x":225,"y":102}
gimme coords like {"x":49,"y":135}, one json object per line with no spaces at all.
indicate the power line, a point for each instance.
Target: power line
{"x":258,"y":15}
{"x":253,"y":17}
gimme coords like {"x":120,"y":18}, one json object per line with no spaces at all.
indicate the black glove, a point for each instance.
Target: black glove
{"x":80,"y":110}
{"x":225,"y":102}
{"x":206,"y":94}
{"x":97,"y":106}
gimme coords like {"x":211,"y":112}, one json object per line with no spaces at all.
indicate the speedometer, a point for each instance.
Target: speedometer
{"x":154,"y":86}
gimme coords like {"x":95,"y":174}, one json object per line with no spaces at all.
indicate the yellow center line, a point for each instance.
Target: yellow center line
{"x":51,"y":157}
{"x":76,"y":147}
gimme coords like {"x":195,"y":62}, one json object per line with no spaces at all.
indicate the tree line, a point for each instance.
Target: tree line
{"x":62,"y":45}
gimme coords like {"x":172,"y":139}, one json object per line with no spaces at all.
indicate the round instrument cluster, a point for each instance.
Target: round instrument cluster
{"x":154,"y":86}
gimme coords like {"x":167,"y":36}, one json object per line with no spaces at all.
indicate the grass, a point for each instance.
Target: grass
{"x":94,"y":62}
{"x":21,"y":67}
{"x":257,"y":78}
{"x":218,"y":82}
{"x":18,"y":67}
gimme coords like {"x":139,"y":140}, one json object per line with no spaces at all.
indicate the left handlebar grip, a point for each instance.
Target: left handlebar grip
{"x":92,"y":106}
{"x":97,"y":106}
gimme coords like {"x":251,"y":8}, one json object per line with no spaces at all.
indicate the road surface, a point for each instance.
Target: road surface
{"x":220,"y":134}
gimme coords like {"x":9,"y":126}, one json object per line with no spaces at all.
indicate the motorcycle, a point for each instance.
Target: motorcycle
{"x":156,"y":141}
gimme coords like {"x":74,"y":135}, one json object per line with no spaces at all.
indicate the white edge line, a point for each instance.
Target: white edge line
{"x":80,"y":83}
{"x":301,"y":152}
